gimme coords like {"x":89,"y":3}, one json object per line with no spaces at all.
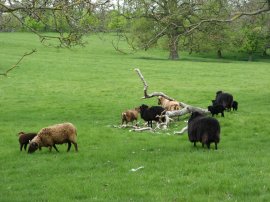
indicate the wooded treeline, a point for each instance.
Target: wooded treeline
{"x":175,"y":25}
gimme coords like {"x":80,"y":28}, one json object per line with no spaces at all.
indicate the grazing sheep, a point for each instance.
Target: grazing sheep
{"x":150,"y":114}
{"x":203,"y":129}
{"x":25,"y":138}
{"x":235,"y":105}
{"x":130,"y":115}
{"x":224,"y":99}
{"x":216,"y":109}
{"x":168,"y":104}
{"x":52,"y":135}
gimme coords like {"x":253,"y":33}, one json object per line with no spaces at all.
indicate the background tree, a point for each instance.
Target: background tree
{"x":150,"y":21}
{"x":212,"y":37}
{"x":67,"y":18}
{"x":251,"y":33}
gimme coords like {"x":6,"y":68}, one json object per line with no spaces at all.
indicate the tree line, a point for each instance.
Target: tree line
{"x":175,"y":25}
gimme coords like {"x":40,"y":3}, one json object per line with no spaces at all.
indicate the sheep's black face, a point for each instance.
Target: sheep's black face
{"x":33,"y":146}
{"x":194,"y":115}
{"x":143,"y":107}
{"x":218,"y":92}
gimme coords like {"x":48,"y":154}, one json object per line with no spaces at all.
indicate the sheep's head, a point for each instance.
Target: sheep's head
{"x":210,"y":108}
{"x":21,"y":133}
{"x":138,"y":109}
{"x":143,"y":107}
{"x":218,"y":92}
{"x":160,"y":99}
{"x":33,"y":146}
{"x":194,"y":115}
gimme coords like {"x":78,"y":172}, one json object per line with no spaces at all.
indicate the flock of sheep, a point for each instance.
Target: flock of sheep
{"x":201,"y":128}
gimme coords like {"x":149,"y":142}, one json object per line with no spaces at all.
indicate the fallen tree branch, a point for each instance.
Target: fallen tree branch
{"x":125,"y":126}
{"x":138,"y":129}
{"x":134,"y":128}
{"x":181,"y":132}
{"x":146,"y":95}
{"x":16,"y":65}
{"x":186,"y":108}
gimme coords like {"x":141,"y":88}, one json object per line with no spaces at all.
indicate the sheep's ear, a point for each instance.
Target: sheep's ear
{"x":29,"y":141}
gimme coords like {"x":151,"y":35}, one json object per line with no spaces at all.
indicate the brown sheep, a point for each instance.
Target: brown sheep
{"x":168,"y":104}
{"x":130,"y":115}
{"x":56,"y":134}
{"x":25,"y":138}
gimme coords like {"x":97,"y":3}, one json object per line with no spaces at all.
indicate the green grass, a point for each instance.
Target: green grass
{"x":90,"y":87}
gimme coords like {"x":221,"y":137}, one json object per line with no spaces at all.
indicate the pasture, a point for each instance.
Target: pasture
{"x":90,"y":87}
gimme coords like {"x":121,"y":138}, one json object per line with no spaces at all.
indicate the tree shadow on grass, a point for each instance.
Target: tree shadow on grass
{"x":202,"y":59}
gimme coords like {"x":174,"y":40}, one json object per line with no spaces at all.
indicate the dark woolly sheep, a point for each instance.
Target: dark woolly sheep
{"x":235,"y":105}
{"x":203,"y":129}
{"x":216,"y":109}
{"x":225,"y":99}
{"x":52,"y":135}
{"x":25,"y":138}
{"x":130,"y":115}
{"x":150,"y":114}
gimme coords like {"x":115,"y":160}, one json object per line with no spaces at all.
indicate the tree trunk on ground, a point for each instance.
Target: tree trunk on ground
{"x":219,"y":54}
{"x":173,"y":47}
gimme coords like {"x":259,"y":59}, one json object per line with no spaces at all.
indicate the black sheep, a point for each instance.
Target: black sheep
{"x":235,"y":105}
{"x":203,"y":129}
{"x":150,"y":114}
{"x":24,"y":139}
{"x":225,"y":99}
{"x":216,"y":109}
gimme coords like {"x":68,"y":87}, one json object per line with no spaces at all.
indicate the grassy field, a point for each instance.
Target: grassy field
{"x":90,"y":87}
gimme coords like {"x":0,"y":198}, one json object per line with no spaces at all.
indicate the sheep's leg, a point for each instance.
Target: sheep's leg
{"x":194,"y":144}
{"x":222,"y":114}
{"x":215,"y":145}
{"x":50,"y":148}
{"x":76,"y":146}
{"x":21,"y":146}
{"x":55,"y":148}
{"x":208,"y":145}
{"x":25,"y":145}
{"x":69,"y":145}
